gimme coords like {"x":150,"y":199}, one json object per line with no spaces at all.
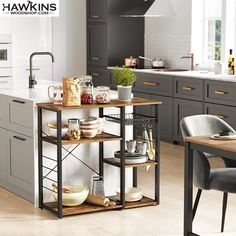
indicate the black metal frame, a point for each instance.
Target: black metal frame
{"x":58,"y":167}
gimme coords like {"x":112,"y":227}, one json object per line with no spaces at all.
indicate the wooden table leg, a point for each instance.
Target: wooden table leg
{"x":188,"y":189}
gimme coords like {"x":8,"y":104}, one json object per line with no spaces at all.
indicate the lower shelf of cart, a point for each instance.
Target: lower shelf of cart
{"x":112,"y":161}
{"x":89,"y":208}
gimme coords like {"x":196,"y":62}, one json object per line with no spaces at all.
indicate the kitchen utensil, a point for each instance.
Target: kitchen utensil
{"x":75,"y":196}
{"x":131,"y":62}
{"x":131,"y":145}
{"x":55,"y":93}
{"x":100,"y":201}
{"x":141,"y":147}
{"x":71,"y":92}
{"x":156,"y":63}
{"x":98,"y":186}
{"x":151,"y":149}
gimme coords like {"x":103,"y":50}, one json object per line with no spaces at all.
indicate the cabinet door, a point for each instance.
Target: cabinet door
{"x":143,"y":110}
{"x":3,"y":154}
{"x":19,"y":117}
{"x":20,"y":161}
{"x":100,"y":75}
{"x":97,"y":44}
{"x":183,"y":108}
{"x":2,"y":110}
{"x":97,"y":10}
{"x":166,"y":117}
{"x":226,"y":113}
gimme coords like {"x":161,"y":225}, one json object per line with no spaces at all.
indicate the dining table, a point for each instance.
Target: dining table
{"x":217,"y":147}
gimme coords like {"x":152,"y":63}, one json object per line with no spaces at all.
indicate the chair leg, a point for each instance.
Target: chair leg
{"x":199,"y":192}
{"x":225,"y":198}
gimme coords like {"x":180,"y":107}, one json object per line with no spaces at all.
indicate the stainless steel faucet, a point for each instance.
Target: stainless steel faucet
{"x":190,"y":55}
{"x":32,"y":80}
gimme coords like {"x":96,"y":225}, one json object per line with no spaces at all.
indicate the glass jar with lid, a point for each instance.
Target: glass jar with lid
{"x":74,"y":128}
{"x":103,"y":94}
{"x":86,"y":87}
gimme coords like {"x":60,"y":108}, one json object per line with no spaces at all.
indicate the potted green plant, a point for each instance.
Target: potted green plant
{"x":125,"y":79}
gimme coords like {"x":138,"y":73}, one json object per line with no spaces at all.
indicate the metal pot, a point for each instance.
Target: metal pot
{"x":156,"y":63}
{"x":131,"y":62}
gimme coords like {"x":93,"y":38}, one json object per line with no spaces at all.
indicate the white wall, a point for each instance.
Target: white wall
{"x":69,"y":39}
{"x":169,"y":38}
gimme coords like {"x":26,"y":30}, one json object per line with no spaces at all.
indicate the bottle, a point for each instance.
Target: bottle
{"x":232,"y":71}
{"x":86,"y":86}
{"x":230,"y":60}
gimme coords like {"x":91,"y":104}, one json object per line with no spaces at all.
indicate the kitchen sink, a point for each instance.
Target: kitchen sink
{"x":169,"y":70}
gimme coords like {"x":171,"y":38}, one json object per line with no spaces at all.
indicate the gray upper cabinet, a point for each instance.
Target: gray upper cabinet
{"x":220,"y":92}
{"x":97,"y":10}
{"x":3,"y":154}
{"x":21,"y":158}
{"x":154,"y":84}
{"x":188,"y":88}
{"x":183,"y":108}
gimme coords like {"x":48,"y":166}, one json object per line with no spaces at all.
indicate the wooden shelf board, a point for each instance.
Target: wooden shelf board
{"x":145,"y":201}
{"x":112,"y":161}
{"x":113,"y":103}
{"x":81,"y":209}
{"x":99,"y":138}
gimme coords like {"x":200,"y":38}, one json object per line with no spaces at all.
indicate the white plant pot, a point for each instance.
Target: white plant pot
{"x":124,"y":93}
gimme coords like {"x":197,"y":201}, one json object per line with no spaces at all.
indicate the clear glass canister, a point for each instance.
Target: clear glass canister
{"x":103,"y":94}
{"x":74,"y":130}
{"x":86,"y":86}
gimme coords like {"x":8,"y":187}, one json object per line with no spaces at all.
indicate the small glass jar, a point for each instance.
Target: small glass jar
{"x":86,"y":86}
{"x":74,"y":130}
{"x":103,"y":94}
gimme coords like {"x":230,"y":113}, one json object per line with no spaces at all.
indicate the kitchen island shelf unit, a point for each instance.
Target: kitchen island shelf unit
{"x":57,"y":207}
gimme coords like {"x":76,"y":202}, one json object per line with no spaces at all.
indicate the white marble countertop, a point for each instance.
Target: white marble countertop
{"x":192,"y":74}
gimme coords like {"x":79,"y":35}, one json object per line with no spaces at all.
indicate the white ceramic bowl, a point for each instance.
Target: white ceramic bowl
{"x":89,"y":121}
{"x":131,"y":193}
{"x":89,"y":133}
{"x":53,"y":131}
{"x":89,"y":126}
{"x":76,"y":196}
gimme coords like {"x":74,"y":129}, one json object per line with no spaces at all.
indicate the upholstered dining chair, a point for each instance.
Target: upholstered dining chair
{"x":205,"y":177}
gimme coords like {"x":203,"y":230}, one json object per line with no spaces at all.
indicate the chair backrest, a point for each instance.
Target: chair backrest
{"x":198,"y":125}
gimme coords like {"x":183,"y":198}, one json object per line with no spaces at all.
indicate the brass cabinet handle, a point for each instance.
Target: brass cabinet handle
{"x":96,"y":17}
{"x":221,"y":116}
{"x":188,"y":88}
{"x":96,"y":58}
{"x":95,"y":74}
{"x":151,"y":83}
{"x":220,"y":92}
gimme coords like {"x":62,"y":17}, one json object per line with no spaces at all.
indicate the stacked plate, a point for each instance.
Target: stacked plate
{"x":131,"y":158}
{"x":131,"y":194}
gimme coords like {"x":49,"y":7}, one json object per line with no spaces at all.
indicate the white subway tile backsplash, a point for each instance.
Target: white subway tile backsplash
{"x":168,"y":47}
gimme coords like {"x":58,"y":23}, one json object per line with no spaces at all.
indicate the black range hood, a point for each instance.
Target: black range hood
{"x":139,"y":10}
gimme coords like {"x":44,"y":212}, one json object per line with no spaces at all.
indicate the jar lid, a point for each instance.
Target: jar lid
{"x":103,"y":88}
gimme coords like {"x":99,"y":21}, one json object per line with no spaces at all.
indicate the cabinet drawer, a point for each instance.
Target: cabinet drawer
{"x":154,"y":84}
{"x":20,"y":161}
{"x":97,"y":10}
{"x":224,"y":112}
{"x":97,"y":44}
{"x":189,"y":88}
{"x":221,"y":92}
{"x":100,"y":76}
{"x":2,"y":111}
{"x":19,"y":116}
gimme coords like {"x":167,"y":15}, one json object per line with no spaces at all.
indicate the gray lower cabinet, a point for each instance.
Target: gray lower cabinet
{"x":165,"y":111}
{"x":227,"y":113}
{"x":3,"y":154}
{"x":2,"y":110}
{"x":99,"y":75}
{"x":183,"y":108}
{"x":20,"y":164}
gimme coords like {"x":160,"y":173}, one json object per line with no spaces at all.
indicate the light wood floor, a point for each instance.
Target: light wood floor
{"x":19,"y":218}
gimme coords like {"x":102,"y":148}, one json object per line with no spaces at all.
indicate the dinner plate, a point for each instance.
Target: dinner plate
{"x":133,"y":161}
{"x":218,"y":137}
